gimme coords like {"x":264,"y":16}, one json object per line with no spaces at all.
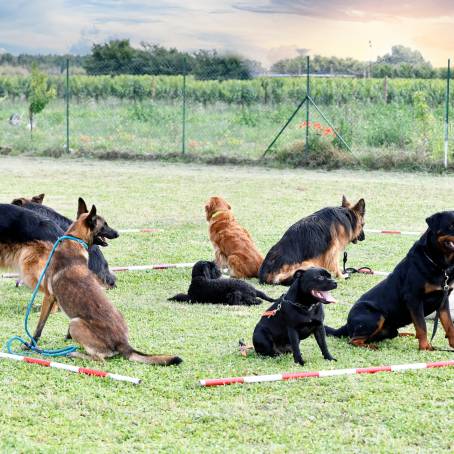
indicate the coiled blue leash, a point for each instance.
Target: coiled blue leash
{"x":32,"y":344}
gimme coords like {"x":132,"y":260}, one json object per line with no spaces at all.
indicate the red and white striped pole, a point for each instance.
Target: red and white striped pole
{"x":139,"y":230}
{"x":159,"y":266}
{"x":322,"y":373}
{"x":393,"y":232}
{"x":70,"y":368}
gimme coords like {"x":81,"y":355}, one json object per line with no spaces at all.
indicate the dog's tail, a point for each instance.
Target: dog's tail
{"x":340,"y":332}
{"x":263,"y":296}
{"x":179,"y":297}
{"x":160,"y":360}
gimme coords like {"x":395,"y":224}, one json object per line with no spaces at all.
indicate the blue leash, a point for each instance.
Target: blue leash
{"x":32,"y":344}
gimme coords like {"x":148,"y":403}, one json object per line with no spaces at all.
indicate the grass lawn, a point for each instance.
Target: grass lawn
{"x":46,"y":410}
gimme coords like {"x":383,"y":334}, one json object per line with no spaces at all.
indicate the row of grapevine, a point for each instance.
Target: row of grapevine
{"x":261,"y":90}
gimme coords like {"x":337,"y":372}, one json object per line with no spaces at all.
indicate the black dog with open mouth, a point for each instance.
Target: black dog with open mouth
{"x":296,"y":315}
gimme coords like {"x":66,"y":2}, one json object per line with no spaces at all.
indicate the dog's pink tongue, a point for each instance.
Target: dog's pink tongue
{"x":325,"y":296}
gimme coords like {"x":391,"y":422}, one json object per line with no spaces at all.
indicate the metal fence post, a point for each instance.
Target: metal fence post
{"x":183,"y":139}
{"x":447,"y":116}
{"x":308,"y":94}
{"x":67,"y":105}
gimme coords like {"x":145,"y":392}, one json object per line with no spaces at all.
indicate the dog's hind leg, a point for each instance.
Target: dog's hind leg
{"x":96,"y":348}
{"x":234,"y":298}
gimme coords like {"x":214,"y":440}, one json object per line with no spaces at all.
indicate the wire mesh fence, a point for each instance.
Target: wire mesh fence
{"x":203,"y":114}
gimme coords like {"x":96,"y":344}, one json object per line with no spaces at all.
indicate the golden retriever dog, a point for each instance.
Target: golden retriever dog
{"x":233,"y":246}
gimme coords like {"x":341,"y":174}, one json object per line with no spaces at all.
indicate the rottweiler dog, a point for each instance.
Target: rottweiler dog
{"x":96,"y":260}
{"x":315,"y":240}
{"x":296,"y":315}
{"x":207,"y":286}
{"x":413,"y":290}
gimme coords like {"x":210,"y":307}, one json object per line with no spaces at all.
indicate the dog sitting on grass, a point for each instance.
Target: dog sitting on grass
{"x":296,"y":315}
{"x":95,"y":323}
{"x":233,"y":245}
{"x":207,"y":286}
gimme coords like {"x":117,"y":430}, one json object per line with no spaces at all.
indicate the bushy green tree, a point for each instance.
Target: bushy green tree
{"x":38,"y":94}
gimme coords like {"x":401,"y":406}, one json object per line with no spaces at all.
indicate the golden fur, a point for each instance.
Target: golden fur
{"x":233,"y":245}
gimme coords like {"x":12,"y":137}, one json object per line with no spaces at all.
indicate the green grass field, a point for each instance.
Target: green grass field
{"x":217,"y":129}
{"x":46,"y":410}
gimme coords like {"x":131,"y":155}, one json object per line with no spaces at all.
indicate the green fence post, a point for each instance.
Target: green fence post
{"x":183,"y":139}
{"x":447,"y":115}
{"x":308,"y":94}
{"x":67,"y":105}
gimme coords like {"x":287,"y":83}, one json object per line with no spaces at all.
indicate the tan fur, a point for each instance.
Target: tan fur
{"x":233,"y":245}
{"x":94,"y":321}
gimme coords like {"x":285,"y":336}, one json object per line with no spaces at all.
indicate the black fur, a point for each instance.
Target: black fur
{"x":96,"y":260}
{"x":207,"y":286}
{"x":306,"y":239}
{"x":299,"y":314}
{"x":18,"y":225}
{"x":402,"y":297}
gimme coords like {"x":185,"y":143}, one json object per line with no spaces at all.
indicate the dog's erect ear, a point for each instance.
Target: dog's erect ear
{"x":38,"y":199}
{"x":90,"y":220}
{"x":18,"y":202}
{"x":298,"y":274}
{"x":345,"y":202}
{"x":434,"y":222}
{"x":360,"y":207}
{"x":81,"y":208}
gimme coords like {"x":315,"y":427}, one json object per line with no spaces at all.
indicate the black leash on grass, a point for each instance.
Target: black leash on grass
{"x":350,"y":271}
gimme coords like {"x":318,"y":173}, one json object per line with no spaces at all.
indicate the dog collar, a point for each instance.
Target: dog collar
{"x":217,"y":213}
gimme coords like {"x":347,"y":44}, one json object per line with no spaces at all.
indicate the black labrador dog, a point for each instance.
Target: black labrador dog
{"x":207,"y":286}
{"x":296,"y":315}
{"x":415,"y":289}
{"x":96,"y":260}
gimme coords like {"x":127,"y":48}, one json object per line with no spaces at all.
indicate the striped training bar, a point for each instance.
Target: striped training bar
{"x":70,"y":368}
{"x":139,"y":230}
{"x":393,"y":232}
{"x":322,"y":373}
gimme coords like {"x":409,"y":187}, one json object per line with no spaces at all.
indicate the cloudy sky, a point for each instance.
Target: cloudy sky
{"x":265,"y":30}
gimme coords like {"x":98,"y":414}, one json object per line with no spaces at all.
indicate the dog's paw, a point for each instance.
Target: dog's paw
{"x":330,"y":358}
{"x":300,"y":362}
{"x":426,"y":347}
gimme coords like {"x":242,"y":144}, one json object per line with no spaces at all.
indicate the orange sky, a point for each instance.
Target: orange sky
{"x":265,"y":30}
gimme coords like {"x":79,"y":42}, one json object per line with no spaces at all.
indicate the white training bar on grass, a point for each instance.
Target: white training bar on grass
{"x":393,"y":232}
{"x":322,"y":373}
{"x":70,"y":368}
{"x":139,"y":230}
{"x":165,"y":266}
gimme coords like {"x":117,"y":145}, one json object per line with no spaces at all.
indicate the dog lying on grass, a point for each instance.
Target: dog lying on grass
{"x":96,"y":260}
{"x":233,"y":245}
{"x":315,"y":240}
{"x":413,"y":290}
{"x":207,"y":286}
{"x":296,"y":315}
{"x":94,"y":321}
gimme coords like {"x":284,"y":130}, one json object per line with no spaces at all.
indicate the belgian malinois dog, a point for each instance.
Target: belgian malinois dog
{"x":94,"y":321}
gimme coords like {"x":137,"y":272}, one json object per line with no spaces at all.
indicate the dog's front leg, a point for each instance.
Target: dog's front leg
{"x":295,"y":343}
{"x":446,"y":322}
{"x":320,"y":337}
{"x":417,"y":316}
{"x":46,"y":308}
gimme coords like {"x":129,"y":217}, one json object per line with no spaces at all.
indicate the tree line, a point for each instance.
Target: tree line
{"x":119,"y":57}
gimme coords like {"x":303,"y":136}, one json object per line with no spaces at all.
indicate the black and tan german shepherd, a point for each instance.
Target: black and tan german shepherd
{"x":315,"y":240}
{"x":96,"y":260}
{"x":413,"y":290}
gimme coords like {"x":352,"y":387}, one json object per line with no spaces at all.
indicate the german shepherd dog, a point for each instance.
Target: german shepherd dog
{"x":26,"y":239}
{"x":96,"y":260}
{"x":208,"y":286}
{"x":94,"y":321}
{"x":315,"y":240}
{"x":296,"y":315}
{"x":233,"y":245}
{"x":412,"y":291}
